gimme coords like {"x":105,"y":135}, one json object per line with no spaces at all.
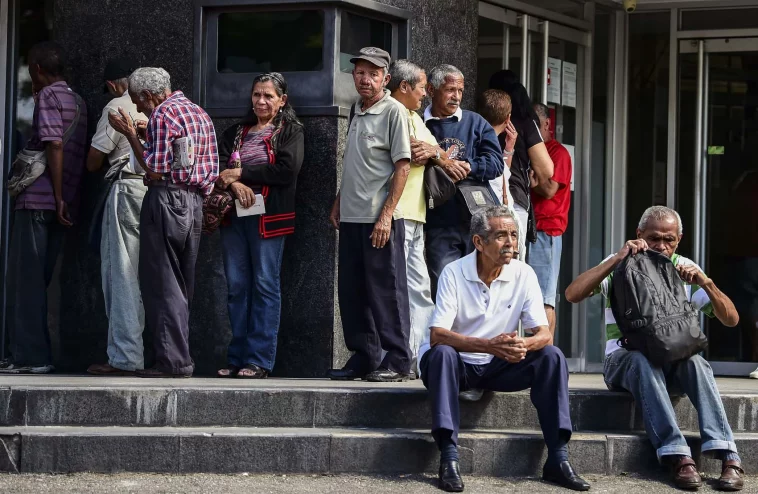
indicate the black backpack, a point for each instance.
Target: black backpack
{"x":650,"y":305}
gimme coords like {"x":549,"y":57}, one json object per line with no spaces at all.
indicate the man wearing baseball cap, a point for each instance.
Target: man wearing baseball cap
{"x":119,"y":222}
{"x":372,"y":284}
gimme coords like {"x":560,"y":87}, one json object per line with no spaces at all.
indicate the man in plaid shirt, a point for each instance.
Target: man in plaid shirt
{"x":180,"y":159}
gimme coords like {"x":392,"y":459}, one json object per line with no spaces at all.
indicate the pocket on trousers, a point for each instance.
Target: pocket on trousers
{"x":128,"y":207}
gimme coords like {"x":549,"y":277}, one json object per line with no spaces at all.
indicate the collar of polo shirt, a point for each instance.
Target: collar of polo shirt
{"x":428,"y":114}
{"x":471,"y":274}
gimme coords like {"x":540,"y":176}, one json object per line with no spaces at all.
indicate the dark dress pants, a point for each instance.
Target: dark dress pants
{"x":443,"y":246}
{"x":170,"y":224}
{"x":35,"y":243}
{"x":373,"y":297}
{"x":545,"y":371}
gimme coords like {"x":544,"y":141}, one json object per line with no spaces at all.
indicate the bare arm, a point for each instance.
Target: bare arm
{"x":541,"y":163}
{"x":95,"y":159}
{"x":584,"y":285}
{"x":546,"y":189}
{"x":540,"y":339}
{"x":460,"y":342}
{"x":54,"y":154}
{"x":381,"y":233}
{"x":723,"y":308}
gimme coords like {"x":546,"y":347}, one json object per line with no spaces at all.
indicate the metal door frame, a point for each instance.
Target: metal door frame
{"x":703,"y":43}
{"x":521,"y":19}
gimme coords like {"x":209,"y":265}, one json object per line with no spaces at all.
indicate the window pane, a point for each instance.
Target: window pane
{"x":647,"y":128}
{"x":357,"y":32}
{"x":245,"y":41}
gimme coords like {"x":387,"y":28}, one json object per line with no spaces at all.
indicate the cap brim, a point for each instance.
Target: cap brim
{"x":376,"y":61}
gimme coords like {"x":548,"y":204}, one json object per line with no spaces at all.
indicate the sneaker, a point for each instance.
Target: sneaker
{"x":471,"y":395}
{"x":754,"y":374}
{"x":8,"y":367}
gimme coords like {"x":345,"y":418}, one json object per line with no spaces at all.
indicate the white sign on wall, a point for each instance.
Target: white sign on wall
{"x":553,"y":80}
{"x":569,"y":84}
{"x":570,"y":150}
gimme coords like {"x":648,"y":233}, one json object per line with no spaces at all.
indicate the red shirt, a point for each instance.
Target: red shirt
{"x":552,"y":214}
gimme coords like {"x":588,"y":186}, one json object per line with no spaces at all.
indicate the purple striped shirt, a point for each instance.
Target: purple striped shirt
{"x":253,"y":150}
{"x":53,"y":114}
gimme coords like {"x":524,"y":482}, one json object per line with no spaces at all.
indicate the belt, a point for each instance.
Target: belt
{"x":130,"y":176}
{"x":172,"y":185}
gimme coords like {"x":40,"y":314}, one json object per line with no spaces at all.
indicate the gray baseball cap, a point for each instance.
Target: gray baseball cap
{"x":374,"y":55}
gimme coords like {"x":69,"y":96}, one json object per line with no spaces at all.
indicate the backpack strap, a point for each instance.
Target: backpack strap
{"x":72,"y":127}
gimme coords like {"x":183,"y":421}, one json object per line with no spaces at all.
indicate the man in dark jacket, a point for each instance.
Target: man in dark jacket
{"x":476,"y":156}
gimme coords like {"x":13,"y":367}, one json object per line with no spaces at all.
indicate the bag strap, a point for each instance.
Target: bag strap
{"x":72,"y":127}
{"x":352,"y":114}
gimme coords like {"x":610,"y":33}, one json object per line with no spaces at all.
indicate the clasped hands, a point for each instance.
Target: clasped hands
{"x":509,"y":347}
{"x":422,"y":152}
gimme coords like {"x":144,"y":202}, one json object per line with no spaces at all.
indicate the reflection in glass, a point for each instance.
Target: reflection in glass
{"x":731,"y":225}
{"x":358,"y":32}
{"x":245,"y":46}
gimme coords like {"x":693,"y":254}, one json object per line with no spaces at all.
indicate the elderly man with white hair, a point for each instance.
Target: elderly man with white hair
{"x":473,"y":342}
{"x":660,"y":230}
{"x":180,"y":160}
{"x":475,"y":158}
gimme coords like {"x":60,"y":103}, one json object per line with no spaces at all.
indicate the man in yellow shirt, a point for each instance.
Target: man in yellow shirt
{"x":408,"y":86}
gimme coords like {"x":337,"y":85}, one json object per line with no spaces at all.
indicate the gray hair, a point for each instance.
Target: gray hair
{"x":441,"y":72}
{"x":542,"y":111}
{"x":404,"y":70}
{"x":154,"y":80}
{"x":659,"y":213}
{"x":480,"y":221}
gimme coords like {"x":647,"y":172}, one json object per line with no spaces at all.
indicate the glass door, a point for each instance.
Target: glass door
{"x":550,"y":60}
{"x":717,"y":185}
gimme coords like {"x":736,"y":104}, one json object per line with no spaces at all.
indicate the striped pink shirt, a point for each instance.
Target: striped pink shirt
{"x":53,"y":114}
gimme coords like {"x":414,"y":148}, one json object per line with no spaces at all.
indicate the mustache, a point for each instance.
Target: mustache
{"x":508,"y":250}
{"x":453,"y":102}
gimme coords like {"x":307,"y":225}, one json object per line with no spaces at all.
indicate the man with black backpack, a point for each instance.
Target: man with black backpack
{"x":638,"y":365}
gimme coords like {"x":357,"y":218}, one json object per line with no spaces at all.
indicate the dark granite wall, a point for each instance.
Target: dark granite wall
{"x":310,"y":338}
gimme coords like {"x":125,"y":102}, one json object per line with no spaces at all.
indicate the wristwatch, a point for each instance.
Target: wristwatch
{"x":437,"y":156}
{"x":508,"y":153}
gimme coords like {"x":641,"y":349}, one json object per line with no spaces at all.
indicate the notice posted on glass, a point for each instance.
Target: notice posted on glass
{"x":569,"y":84}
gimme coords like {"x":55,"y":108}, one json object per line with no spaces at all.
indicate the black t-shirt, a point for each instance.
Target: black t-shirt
{"x":528,"y":136}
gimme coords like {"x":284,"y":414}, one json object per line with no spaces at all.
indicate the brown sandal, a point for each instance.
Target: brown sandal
{"x":230,"y":371}
{"x":252,"y":371}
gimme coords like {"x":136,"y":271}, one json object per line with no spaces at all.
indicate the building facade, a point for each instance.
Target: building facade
{"x":657,"y":106}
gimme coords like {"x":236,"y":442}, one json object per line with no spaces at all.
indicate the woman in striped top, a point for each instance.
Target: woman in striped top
{"x":261,"y":157}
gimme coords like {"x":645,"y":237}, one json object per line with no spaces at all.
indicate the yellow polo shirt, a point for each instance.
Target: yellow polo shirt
{"x":412,"y":205}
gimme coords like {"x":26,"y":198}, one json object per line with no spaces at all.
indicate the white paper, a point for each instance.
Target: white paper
{"x":570,"y":150}
{"x":569,"y":84}
{"x":554,"y":80}
{"x":258,"y":208}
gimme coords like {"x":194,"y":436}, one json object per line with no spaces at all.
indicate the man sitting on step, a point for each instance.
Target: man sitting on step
{"x":473,"y":343}
{"x":660,"y":229}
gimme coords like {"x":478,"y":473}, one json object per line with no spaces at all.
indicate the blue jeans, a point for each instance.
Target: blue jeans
{"x":545,"y":259}
{"x":252,"y":265}
{"x":119,"y":266}
{"x":648,"y":384}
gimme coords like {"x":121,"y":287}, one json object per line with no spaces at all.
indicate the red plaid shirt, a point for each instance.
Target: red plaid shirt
{"x":179,"y":117}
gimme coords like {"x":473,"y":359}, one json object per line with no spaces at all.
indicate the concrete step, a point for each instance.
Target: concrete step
{"x":317,"y":451}
{"x":82,"y":401}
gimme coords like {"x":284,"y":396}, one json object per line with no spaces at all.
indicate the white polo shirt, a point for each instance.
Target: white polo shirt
{"x":465,"y":305}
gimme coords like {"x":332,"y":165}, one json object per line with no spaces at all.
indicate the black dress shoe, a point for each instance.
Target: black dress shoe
{"x":344,"y":374}
{"x":382,"y":375}
{"x":565,"y":476}
{"x":450,"y":477}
